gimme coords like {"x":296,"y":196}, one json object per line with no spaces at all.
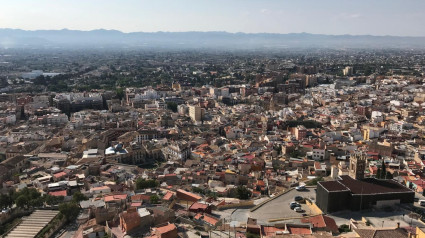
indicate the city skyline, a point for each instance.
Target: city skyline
{"x":317,"y":17}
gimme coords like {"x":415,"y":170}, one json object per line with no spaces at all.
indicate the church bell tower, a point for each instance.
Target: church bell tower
{"x":357,"y":165}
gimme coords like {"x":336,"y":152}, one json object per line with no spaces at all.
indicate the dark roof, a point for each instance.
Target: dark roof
{"x":14,"y":160}
{"x":382,"y":233}
{"x":365,"y":186}
{"x":372,"y":186}
{"x":333,"y":186}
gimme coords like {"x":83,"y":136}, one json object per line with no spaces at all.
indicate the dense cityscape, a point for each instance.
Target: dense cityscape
{"x":201,"y":143}
{"x":212,"y":119}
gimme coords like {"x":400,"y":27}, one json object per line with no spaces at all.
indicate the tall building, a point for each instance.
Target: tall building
{"x":300,"y":132}
{"x":176,"y":86}
{"x":347,"y":71}
{"x":196,"y":113}
{"x":357,"y":166}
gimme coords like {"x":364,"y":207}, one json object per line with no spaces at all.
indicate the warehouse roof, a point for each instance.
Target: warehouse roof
{"x":365,"y":186}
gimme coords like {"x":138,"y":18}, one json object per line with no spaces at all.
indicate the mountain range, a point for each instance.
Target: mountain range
{"x":15,"y":38}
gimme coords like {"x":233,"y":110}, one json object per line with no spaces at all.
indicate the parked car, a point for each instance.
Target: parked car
{"x":301,"y":188}
{"x":298,"y":209}
{"x":298,"y":199}
{"x":5,"y":210}
{"x":293,"y":205}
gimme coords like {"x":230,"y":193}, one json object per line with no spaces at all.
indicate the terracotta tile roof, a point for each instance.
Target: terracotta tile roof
{"x":189,"y":194}
{"x":136,"y":204}
{"x":210,"y":220}
{"x":197,"y":205}
{"x":322,"y":221}
{"x":165,"y":229}
{"x":270,"y":230}
{"x":168,"y":196}
{"x":62,"y":193}
{"x":140,"y":197}
{"x":58,"y":175}
{"x":260,"y":183}
{"x":299,"y":230}
{"x":115,"y":197}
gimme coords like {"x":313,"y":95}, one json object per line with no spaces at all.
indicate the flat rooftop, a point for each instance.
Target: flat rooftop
{"x":33,"y":224}
{"x":364,"y":186}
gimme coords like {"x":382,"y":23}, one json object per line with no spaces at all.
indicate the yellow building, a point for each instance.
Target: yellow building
{"x":420,"y":232}
{"x":176,"y":87}
{"x":196,"y":113}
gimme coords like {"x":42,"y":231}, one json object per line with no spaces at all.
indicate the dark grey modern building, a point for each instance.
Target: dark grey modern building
{"x":347,"y":193}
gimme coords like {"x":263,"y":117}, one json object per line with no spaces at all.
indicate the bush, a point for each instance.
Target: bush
{"x":313,"y":182}
{"x":198,"y":190}
{"x":344,"y":228}
{"x":252,"y":235}
{"x":154,"y":199}
{"x":243,"y":193}
{"x":143,"y":183}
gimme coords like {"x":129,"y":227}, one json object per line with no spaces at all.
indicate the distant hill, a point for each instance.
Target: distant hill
{"x":14,"y":38}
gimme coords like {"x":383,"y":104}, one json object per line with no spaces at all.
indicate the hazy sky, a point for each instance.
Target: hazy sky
{"x":376,"y":17}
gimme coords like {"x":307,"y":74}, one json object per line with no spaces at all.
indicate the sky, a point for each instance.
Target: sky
{"x":355,"y":17}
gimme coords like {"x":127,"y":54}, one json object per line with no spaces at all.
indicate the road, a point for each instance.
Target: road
{"x":69,"y":231}
{"x":279,"y":207}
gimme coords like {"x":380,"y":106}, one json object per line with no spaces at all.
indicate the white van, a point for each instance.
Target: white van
{"x":422,"y":203}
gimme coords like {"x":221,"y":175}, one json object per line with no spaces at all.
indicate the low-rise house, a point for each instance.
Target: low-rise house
{"x":167,"y":231}
{"x":129,"y":220}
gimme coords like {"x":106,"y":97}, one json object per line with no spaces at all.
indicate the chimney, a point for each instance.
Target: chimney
{"x":398,"y":225}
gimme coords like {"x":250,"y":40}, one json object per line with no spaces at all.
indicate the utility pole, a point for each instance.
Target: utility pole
{"x":229,"y":226}
{"x":361,"y":199}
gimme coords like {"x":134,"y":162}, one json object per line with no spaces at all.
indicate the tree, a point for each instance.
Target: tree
{"x":154,"y":199}
{"x":40,"y":80}
{"x":382,"y":172}
{"x":295,"y":154}
{"x":5,"y":201}
{"x":70,"y":210}
{"x":78,"y":197}
{"x":120,"y":93}
{"x":38,"y":202}
{"x":172,"y":106}
{"x":378,"y":173}
{"x":143,"y":183}
{"x":21,"y":201}
{"x":53,"y":200}
{"x":243,"y":192}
